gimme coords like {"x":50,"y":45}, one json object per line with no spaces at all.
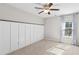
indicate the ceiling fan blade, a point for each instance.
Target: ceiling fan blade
{"x":55,"y":9}
{"x":38,"y":8}
{"x":40,"y":12}
{"x":50,"y":4}
{"x":49,"y":13}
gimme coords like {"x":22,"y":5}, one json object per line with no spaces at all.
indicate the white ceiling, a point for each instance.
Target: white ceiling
{"x":65,"y":8}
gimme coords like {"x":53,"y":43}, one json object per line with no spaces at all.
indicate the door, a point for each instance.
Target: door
{"x":4,"y":37}
{"x":22,"y":41}
{"x":67,"y":31}
{"x":14,"y":36}
{"x":28,"y":34}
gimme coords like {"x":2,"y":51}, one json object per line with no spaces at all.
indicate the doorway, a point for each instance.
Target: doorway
{"x":67,"y":32}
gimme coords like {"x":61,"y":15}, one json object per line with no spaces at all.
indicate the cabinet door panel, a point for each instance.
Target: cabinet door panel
{"x":4,"y":37}
{"x":28,"y":34}
{"x":37,"y":33}
{"x":14,"y":36}
{"x":32,"y":33}
{"x":22,"y":41}
{"x":41,"y":32}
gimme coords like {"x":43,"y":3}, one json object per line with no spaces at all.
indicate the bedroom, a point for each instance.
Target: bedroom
{"x":39,"y":28}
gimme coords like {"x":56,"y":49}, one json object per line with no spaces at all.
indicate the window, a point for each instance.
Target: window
{"x":68,"y":28}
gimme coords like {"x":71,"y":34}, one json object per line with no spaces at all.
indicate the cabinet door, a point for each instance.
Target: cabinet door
{"x":22,"y":41}
{"x":4,"y":37}
{"x":14,"y":36}
{"x":33,"y":40}
{"x":37,"y":33}
{"x":41,"y":32}
{"x":28,"y":34}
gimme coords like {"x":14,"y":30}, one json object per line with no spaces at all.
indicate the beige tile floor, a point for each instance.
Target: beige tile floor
{"x":47,"y":47}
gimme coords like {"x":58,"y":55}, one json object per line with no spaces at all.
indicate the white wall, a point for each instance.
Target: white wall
{"x":52,"y":28}
{"x":8,"y":12}
{"x":78,"y":29}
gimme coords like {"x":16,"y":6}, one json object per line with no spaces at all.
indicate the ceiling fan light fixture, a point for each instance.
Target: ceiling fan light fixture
{"x":47,"y":8}
{"x":46,"y":11}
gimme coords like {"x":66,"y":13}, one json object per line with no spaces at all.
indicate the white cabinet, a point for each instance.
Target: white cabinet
{"x":33,"y":39}
{"x":18,"y":35}
{"x":4,"y":37}
{"x":14,"y":36}
{"x":37,"y":33}
{"x":41,"y":32}
{"x":22,"y":41}
{"x":28,"y":34}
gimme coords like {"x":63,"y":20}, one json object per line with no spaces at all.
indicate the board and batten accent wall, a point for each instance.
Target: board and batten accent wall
{"x":52,"y":28}
{"x":15,"y":35}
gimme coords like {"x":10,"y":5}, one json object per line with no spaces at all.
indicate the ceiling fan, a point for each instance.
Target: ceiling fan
{"x":46,"y":8}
